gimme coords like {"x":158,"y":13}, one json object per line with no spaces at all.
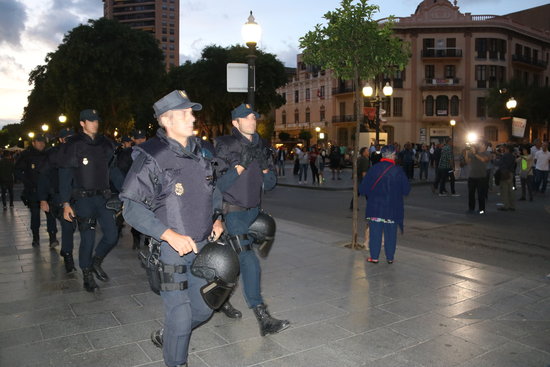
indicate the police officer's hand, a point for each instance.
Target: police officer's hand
{"x":217,"y":230}
{"x":68,"y":213}
{"x":44,"y":206}
{"x":182,"y":244}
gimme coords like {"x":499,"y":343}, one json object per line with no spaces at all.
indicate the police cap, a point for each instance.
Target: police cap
{"x":175,"y":100}
{"x":242,"y":111}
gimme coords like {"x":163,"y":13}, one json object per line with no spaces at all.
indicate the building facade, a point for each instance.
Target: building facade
{"x":159,"y":17}
{"x":455,"y":59}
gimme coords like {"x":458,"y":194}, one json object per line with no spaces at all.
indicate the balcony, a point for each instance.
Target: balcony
{"x":344,"y":118}
{"x":528,"y":61}
{"x":342,"y":90}
{"x":442,"y":81}
{"x":445,"y":53}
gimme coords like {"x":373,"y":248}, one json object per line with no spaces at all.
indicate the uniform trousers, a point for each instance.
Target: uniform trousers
{"x":51,"y":226}
{"x":237,"y":223}
{"x":94,"y":207}
{"x":183,"y":310}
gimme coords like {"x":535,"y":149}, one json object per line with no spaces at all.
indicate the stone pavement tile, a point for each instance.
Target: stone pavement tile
{"x":478,"y":334}
{"x":309,"y":314}
{"x":444,"y":351}
{"x":371,"y":345}
{"x":405,"y":289}
{"x":294,"y":299}
{"x":406,"y":307}
{"x":318,"y":357}
{"x":357,"y":301}
{"x":39,"y":352}
{"x":537,"y":311}
{"x":475,"y":286}
{"x":539,"y":340}
{"x":539,"y":293}
{"x":447,"y":296}
{"x":121,"y":303}
{"x":137,"y":314}
{"x":368,"y":319}
{"x":78,"y":325}
{"x":480,"y":313}
{"x":494,"y":296}
{"x":486,"y":276}
{"x":512,"y":303}
{"x":124,"y":334}
{"x":522,"y":285}
{"x":510,"y":355}
{"x":153,"y":353}
{"x":24,"y":319}
{"x":243,"y":353}
{"x":236,"y":330}
{"x":458,"y":308}
{"x":310,"y":336}
{"x":205,"y":337}
{"x":426,"y":326}
{"x":393,"y":360}
{"x":512,"y":329}
{"x":23,"y":335}
{"x":127,"y":355}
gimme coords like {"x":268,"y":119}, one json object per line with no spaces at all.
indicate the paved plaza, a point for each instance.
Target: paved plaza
{"x":424,"y":310}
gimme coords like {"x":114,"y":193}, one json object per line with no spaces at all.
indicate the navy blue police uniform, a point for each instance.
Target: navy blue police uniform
{"x":171,"y":187}
{"x":84,"y":177}
{"x":27,"y":170}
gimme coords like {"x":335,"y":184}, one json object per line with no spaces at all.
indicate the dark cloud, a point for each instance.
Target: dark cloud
{"x":10,"y":68}
{"x":12,"y":21}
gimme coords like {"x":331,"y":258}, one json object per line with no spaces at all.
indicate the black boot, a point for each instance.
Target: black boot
{"x":69,"y":261}
{"x":53,"y":240}
{"x":268,"y":324}
{"x":230,"y":311}
{"x":89,"y":282}
{"x":35,"y":239}
{"x":156,"y":338}
{"x":96,"y":268}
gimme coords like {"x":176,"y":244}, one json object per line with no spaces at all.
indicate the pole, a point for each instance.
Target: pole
{"x":377,"y":124}
{"x":251,"y":58}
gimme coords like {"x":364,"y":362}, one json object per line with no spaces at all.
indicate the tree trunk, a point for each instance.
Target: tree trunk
{"x":359,"y":113}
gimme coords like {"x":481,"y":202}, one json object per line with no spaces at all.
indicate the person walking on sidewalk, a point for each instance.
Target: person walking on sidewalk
{"x":542,"y":163}
{"x":303,"y":158}
{"x":168,"y":194}
{"x":27,"y":170}
{"x":7,"y":172}
{"x":525,"y":163}
{"x":444,"y":167}
{"x":506,"y":166}
{"x":424,"y":162}
{"x":244,"y":172}
{"x":385,"y":185}
{"x":477,"y":158}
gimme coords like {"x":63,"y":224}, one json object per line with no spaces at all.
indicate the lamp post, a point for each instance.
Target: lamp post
{"x":452,"y":123}
{"x":251,"y":33}
{"x":375,"y":99}
{"x":511,"y":104}
{"x":62,"y":118}
{"x":45,"y":127}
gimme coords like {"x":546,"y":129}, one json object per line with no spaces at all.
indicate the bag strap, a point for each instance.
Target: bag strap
{"x":379,"y":177}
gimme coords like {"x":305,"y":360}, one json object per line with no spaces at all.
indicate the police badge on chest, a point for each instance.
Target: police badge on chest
{"x":179,"y":189}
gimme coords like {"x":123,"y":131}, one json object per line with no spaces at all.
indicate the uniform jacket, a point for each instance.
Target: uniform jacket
{"x":27,"y":167}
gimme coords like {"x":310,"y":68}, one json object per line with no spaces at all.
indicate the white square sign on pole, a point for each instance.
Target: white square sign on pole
{"x":237,"y":78}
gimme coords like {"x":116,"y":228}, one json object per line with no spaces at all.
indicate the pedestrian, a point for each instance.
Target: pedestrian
{"x":314,"y":162}
{"x":27,"y":170}
{"x":363,"y":165}
{"x":424,"y":162}
{"x":542,"y":161}
{"x":506,"y":167}
{"x":168,"y":194}
{"x":477,"y":158}
{"x":335,"y":159}
{"x":406,"y":159}
{"x":444,"y":168}
{"x":303,"y":158}
{"x":246,"y":171}
{"x":525,"y":162}
{"x":84,"y":188}
{"x":281,"y":158}
{"x":50,"y":199}
{"x":385,"y":185}
{"x":7,"y":178}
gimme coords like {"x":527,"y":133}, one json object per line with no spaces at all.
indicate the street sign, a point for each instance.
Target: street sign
{"x":237,"y":78}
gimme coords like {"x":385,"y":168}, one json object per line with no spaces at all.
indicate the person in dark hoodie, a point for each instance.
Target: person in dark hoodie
{"x":385,"y":185}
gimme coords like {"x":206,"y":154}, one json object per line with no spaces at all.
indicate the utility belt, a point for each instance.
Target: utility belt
{"x":230,"y":208}
{"x":159,"y":274}
{"x":236,"y":242}
{"x":80,"y":193}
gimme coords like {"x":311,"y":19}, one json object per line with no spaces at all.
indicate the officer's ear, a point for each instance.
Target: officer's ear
{"x":235,"y":123}
{"x":82,"y":123}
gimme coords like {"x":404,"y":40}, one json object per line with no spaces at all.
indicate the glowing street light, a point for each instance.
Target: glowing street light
{"x":251,"y":33}
{"x":31,"y":135}
{"x":45,"y":127}
{"x":511,"y":104}
{"x":62,"y":118}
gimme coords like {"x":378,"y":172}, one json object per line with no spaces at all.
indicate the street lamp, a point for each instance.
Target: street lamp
{"x":31,"y":135}
{"x":251,"y":33}
{"x":511,"y":104}
{"x":452,"y":123}
{"x":375,"y":99}
{"x":62,"y":118}
{"x":45,"y":127}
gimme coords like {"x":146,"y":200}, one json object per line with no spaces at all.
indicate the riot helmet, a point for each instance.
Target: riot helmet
{"x":262,"y":231}
{"x":219,"y":265}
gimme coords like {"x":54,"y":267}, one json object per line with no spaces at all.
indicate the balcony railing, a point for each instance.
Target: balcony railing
{"x":344,"y":118}
{"x":342,"y":90}
{"x":442,"y":52}
{"x":530,"y":61}
{"x":442,"y":81}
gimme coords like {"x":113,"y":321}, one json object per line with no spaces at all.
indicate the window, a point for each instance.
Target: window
{"x":308,"y":96}
{"x":454,"y":106}
{"x":428,"y":47}
{"x":450,"y":71}
{"x":442,"y":106}
{"x":429,"y":71}
{"x":322,"y":92}
{"x":296,"y":116}
{"x":481,"y":107}
{"x":283,"y":117}
{"x":490,"y":133}
{"x":398,"y":79}
{"x":296,"y":96}
{"x":386,"y":106}
{"x":429,"y":106}
{"x":481,"y":76}
{"x":308,"y":115}
{"x":398,"y":106}
{"x":322,"y":113}
{"x":481,"y":48}
{"x":342,"y":109}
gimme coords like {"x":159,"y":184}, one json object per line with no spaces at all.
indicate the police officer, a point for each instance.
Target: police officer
{"x":50,"y":199}
{"x":27,"y":170}
{"x":168,"y":195}
{"x":246,"y":169}
{"x":84,"y":177}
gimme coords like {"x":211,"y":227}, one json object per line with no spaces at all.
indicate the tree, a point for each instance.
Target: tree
{"x":104,"y":65}
{"x":355,"y":47}
{"x":205,"y":81}
{"x":284,"y":136}
{"x":306,"y":136}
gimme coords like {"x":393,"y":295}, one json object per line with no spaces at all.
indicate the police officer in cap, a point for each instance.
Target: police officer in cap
{"x":168,"y":194}
{"x":84,"y":178}
{"x":50,"y":199}
{"x":246,"y":169}
{"x":27,"y":170}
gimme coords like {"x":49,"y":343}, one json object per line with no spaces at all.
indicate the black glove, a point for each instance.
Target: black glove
{"x":264,"y":158}
{"x":248,"y":154}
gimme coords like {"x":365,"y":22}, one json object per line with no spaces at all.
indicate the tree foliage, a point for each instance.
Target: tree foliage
{"x":205,"y":81}
{"x":104,"y":65}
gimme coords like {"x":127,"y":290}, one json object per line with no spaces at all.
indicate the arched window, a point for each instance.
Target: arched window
{"x":490,"y":133}
{"x":429,"y":106}
{"x":308,"y":115}
{"x":283,"y":117}
{"x":454,"y":106}
{"x":442,"y":106}
{"x":322,"y":114}
{"x":296,"y":116}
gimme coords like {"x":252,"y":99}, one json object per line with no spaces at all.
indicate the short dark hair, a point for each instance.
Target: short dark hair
{"x":362,"y":150}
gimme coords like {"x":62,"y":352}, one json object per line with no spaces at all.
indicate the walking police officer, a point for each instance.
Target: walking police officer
{"x":84,"y":177}
{"x":50,"y":199}
{"x":27,"y":170}
{"x":246,"y":170}
{"x":168,"y":195}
